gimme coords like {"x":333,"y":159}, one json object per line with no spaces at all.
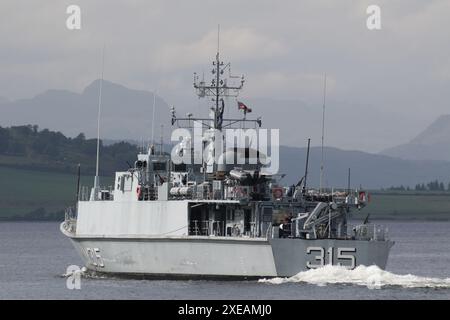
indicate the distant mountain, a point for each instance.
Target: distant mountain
{"x":369,"y":170}
{"x":431,"y":144}
{"x":354,"y":126}
{"x":126,"y":113}
{"x":127,"y":116}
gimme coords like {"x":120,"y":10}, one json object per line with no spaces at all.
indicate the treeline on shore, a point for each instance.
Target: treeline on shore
{"x":30,"y":148}
{"x":434,"y":185}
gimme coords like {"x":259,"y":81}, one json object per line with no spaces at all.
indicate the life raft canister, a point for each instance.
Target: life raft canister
{"x":139,"y":192}
{"x":364,"y":197}
{"x":277,"y":193}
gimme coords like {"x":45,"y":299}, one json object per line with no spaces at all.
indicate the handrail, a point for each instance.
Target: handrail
{"x":373,"y":232}
{"x":269,"y":232}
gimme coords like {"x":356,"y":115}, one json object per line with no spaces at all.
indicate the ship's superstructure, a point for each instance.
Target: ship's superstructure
{"x":211,"y":209}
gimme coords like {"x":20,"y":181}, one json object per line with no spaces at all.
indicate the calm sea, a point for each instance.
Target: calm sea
{"x":33,"y":257}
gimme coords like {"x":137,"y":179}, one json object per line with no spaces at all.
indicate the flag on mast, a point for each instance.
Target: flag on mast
{"x":242,"y":106}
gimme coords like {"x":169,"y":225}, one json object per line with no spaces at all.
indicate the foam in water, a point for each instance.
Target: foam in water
{"x":70,"y":273}
{"x":372,"y":277}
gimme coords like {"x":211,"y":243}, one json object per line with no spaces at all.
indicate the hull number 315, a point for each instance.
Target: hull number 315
{"x":318,"y":257}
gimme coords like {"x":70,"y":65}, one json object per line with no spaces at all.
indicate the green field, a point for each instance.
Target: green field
{"x":34,"y":194}
{"x":409,"y":205}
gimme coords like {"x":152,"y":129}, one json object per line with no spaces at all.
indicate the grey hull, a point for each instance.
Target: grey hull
{"x":293,"y":255}
{"x":224,"y":258}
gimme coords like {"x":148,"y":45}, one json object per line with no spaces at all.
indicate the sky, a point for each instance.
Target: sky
{"x":284,"y":48}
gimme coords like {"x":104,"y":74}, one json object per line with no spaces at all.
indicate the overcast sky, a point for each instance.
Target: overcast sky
{"x":283,"y":47}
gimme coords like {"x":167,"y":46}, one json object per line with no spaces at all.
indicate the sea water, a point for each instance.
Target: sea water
{"x":34,"y":256}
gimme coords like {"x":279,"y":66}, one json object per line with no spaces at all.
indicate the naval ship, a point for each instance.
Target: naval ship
{"x":204,"y":217}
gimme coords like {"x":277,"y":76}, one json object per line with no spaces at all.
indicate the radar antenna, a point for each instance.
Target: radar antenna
{"x":222,"y":85}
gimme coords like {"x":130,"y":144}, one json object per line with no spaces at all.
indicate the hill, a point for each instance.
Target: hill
{"x":127,"y":114}
{"x":27,"y":147}
{"x":71,"y":113}
{"x":433,"y":143}
{"x":372,"y":171}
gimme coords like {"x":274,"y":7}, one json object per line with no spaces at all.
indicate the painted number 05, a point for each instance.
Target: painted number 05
{"x":342,"y":255}
{"x":94,"y":257}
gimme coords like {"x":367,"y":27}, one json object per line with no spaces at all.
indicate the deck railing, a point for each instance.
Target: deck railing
{"x":70,"y":219}
{"x":219,"y":229}
{"x":370,"y":231}
{"x":105,"y":193}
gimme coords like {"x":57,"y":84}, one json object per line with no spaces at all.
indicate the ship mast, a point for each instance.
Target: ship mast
{"x":323,"y":133}
{"x":96,"y":188}
{"x":217,"y":125}
{"x":222,"y":85}
{"x":218,"y":87}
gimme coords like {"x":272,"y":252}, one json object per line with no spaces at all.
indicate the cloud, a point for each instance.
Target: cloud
{"x":239,"y":43}
{"x":283,"y":48}
{"x":289,"y":85}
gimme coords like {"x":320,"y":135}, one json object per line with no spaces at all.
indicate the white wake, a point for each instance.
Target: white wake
{"x":372,"y":277}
